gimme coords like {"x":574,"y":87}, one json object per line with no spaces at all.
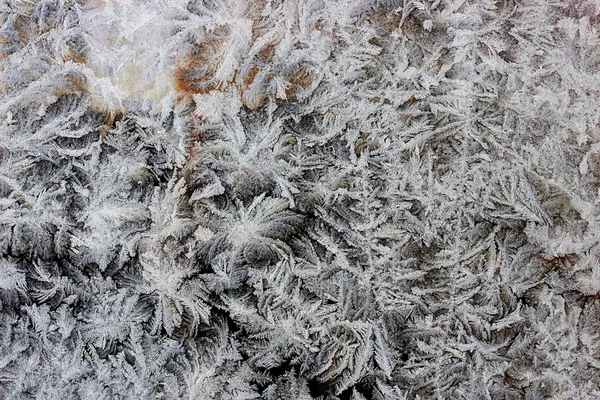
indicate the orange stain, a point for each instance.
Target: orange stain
{"x":197,"y":74}
{"x":300,"y":79}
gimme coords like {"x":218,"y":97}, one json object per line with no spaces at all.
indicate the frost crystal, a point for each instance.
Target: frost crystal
{"x":299,"y":199}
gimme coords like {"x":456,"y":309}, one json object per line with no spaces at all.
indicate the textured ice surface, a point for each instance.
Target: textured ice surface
{"x":303,"y":199}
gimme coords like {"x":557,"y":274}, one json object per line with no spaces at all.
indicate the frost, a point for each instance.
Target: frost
{"x":347,"y":199}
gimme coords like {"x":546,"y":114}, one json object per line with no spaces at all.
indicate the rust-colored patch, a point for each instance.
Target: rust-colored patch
{"x":256,"y":96}
{"x":197,"y":74}
{"x":252,"y":95}
{"x":384,"y":21}
{"x":221,"y":31}
{"x":267,"y":53}
{"x":255,"y":102}
{"x":260,"y":23}
{"x":72,"y":84}
{"x":77,"y":84}
{"x":560,"y":261}
{"x":300,"y":79}
{"x":577,"y":10}
{"x":235,"y":75}
{"x":75,"y":57}
{"x":110,"y":118}
{"x":249,"y":77}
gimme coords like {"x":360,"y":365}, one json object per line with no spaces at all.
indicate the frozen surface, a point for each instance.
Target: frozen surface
{"x":303,"y":199}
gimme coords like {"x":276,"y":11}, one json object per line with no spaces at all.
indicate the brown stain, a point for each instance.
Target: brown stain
{"x":71,"y":84}
{"x":260,"y":23}
{"x":196,"y":132}
{"x":74,"y":84}
{"x":560,"y":261}
{"x":197,"y":73}
{"x":76,"y":57}
{"x":411,"y":26}
{"x":243,"y":80}
{"x":594,"y":165}
{"x":4,"y":39}
{"x":384,"y":21}
{"x":252,"y":101}
{"x":299,"y":80}
{"x":25,"y":28}
{"x":364,"y":143}
{"x":249,"y":77}
{"x":110,"y":119}
{"x":76,"y":52}
{"x":576,"y":10}
{"x":267,"y":53}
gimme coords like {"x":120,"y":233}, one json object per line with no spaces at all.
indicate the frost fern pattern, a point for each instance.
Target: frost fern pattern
{"x":299,"y":199}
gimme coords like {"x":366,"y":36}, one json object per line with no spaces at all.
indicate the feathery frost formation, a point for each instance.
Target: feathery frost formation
{"x":299,"y":199}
